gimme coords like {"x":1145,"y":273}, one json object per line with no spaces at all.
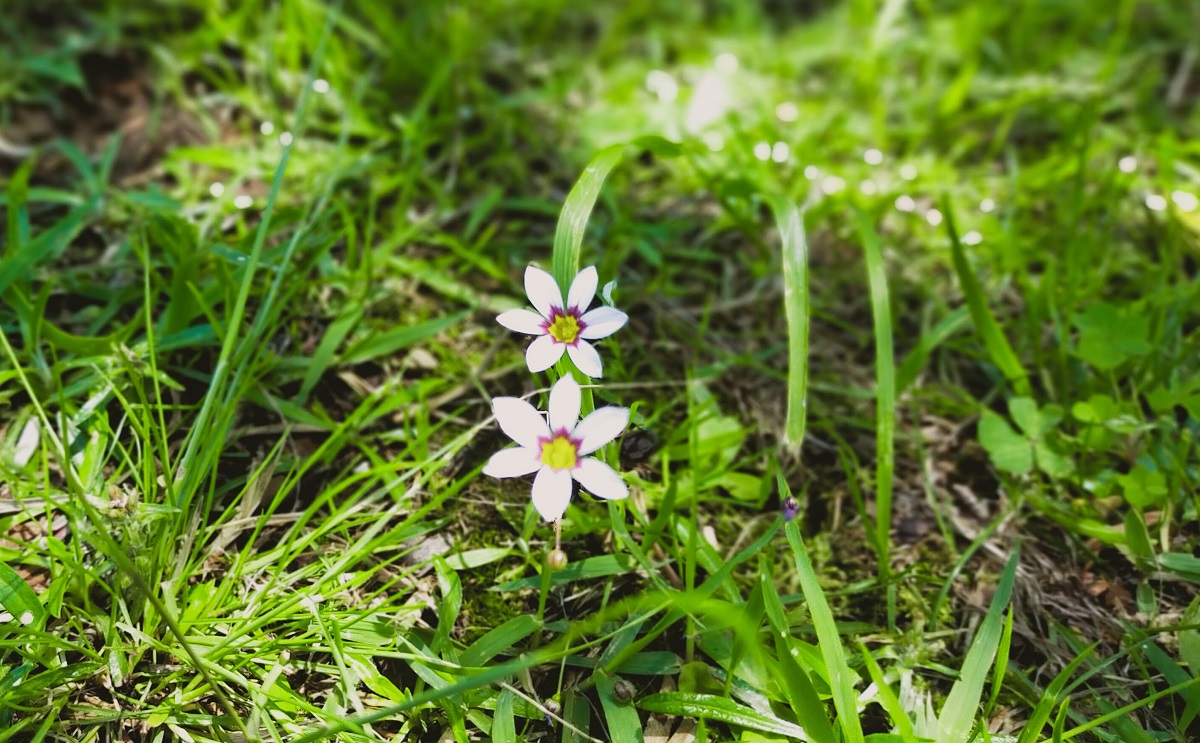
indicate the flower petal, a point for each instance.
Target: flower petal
{"x":599,"y":479}
{"x":586,"y":358}
{"x":544,"y":292}
{"x":543,"y":353}
{"x":583,"y":289}
{"x":523,"y":321}
{"x":512,"y":462}
{"x":552,"y":492}
{"x":565,"y":402}
{"x":599,"y":428}
{"x":599,"y":323}
{"x":521,"y":421}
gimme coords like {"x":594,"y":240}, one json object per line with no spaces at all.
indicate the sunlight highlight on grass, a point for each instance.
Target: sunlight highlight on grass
{"x":790,"y":221}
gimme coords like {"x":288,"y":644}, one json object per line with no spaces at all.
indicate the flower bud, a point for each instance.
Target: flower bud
{"x":791,"y":507}
{"x":557,"y":559}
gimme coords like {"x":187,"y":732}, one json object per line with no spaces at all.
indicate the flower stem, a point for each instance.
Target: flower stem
{"x":545,"y":588}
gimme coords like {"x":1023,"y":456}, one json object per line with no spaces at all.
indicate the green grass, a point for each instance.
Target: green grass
{"x":931,"y":267}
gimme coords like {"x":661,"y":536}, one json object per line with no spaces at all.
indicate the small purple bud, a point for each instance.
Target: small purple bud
{"x":791,"y":507}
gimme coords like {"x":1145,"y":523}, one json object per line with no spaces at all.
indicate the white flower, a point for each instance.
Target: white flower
{"x":563,"y":326}
{"x":557,"y":451}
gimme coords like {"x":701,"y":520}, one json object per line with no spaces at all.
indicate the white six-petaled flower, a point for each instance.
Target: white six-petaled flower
{"x":563,"y":326}
{"x":557,"y":451}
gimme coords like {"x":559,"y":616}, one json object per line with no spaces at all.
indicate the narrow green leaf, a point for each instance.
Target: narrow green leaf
{"x":962,"y":703}
{"x":477,"y":557}
{"x":499,"y":639}
{"x":592,"y":567}
{"x":572,"y":221}
{"x":1181,"y":564}
{"x":841,"y":678}
{"x":385,"y":344}
{"x":795,"y":302}
{"x":722,"y":709}
{"x":18,"y":599}
{"x":504,"y":724}
{"x":21,"y":256}
{"x":887,"y":699}
{"x":797,"y":686}
{"x":994,"y":341}
{"x":1174,"y":674}
{"x":576,"y":711}
{"x":646,"y":663}
{"x":939,"y":334}
{"x":624,"y":726}
{"x":331,"y":341}
{"x":1001,"y":666}
{"x":885,"y":387}
{"x":1137,"y":536}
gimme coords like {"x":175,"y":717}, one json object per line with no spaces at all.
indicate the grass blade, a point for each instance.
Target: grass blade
{"x":962,"y":704}
{"x":624,"y":726}
{"x":17,"y":598}
{"x":885,"y":389}
{"x":841,"y":678}
{"x":939,"y":334}
{"x":497,"y":640}
{"x":711,"y":707}
{"x":795,"y":300}
{"x":572,"y":221}
{"x":994,"y":341}
{"x":504,"y":724}
{"x":796,"y":685}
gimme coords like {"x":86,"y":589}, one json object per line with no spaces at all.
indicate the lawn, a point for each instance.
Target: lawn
{"x":882,"y":319}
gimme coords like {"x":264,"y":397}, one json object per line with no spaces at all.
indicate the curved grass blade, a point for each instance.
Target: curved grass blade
{"x":572,"y":220}
{"x":795,"y":300}
{"x":994,"y":341}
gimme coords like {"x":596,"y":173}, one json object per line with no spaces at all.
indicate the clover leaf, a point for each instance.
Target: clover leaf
{"x":1034,"y":444}
{"x":1108,"y":338}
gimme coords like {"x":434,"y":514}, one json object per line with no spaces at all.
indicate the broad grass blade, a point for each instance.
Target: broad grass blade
{"x":962,"y":704}
{"x":712,"y":707}
{"x":624,"y":726}
{"x":572,"y":221}
{"x":18,"y":598}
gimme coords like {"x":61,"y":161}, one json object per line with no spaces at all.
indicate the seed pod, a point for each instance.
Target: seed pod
{"x":623,"y":691}
{"x":556,"y":560}
{"x":552,"y":706}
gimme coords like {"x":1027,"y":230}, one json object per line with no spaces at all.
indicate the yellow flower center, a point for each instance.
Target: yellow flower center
{"x":560,"y":453}
{"x":564,"y":329}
